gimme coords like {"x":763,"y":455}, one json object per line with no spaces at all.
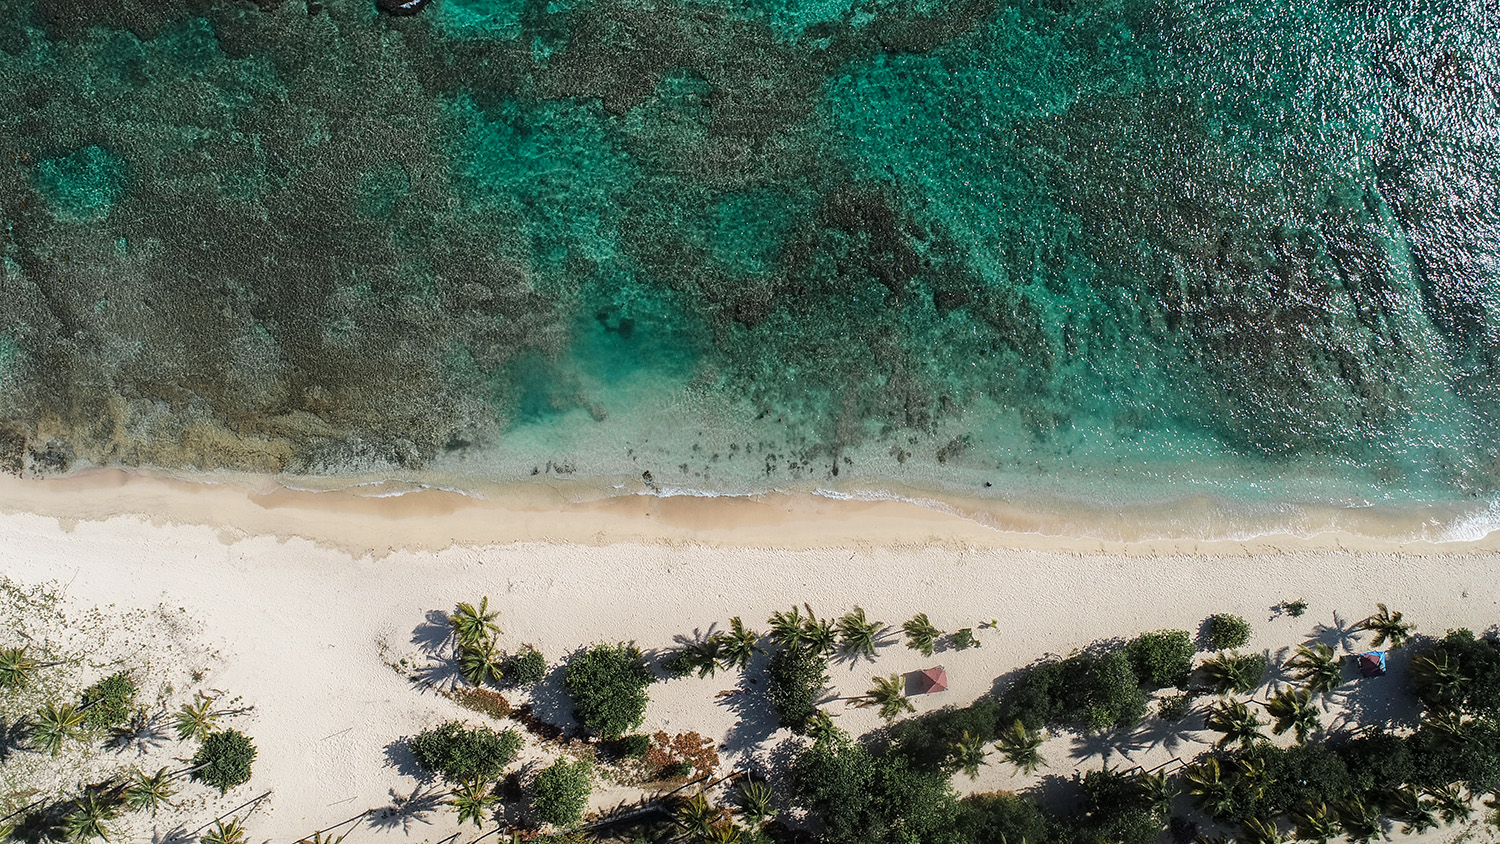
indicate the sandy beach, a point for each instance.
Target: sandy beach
{"x":308,"y":598}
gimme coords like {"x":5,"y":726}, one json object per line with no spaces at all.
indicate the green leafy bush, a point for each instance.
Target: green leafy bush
{"x":1002,"y":816}
{"x":526,"y":668}
{"x":561,"y":792}
{"x":864,"y":798}
{"x":1163,"y":658}
{"x":608,"y":687}
{"x":632,"y":746}
{"x":794,"y":679}
{"x":1227,"y":631}
{"x":108,"y":702}
{"x":927,"y":740}
{"x":224,"y":759}
{"x":1093,"y":690}
{"x":458,"y":753}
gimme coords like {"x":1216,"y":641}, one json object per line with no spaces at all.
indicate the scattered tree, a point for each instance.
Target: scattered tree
{"x":889,"y":694}
{"x":17,"y":666}
{"x":1226,"y":631}
{"x":224,"y":759}
{"x":739,"y":645}
{"x":967,"y":753}
{"x":460,"y":754}
{"x":1233,"y":672}
{"x":474,"y":800}
{"x":1387,"y":627}
{"x":921,"y":635}
{"x":53,"y":725}
{"x":786,"y":628}
{"x":608,"y":687}
{"x":232,"y":832}
{"x":1318,"y":667}
{"x":1292,"y":709}
{"x":1021,"y":745}
{"x":91,"y":815}
{"x":149,"y":791}
{"x":472,"y":625}
{"x":479,"y":662}
{"x":561,"y":792}
{"x":1235,"y":720}
{"x":857,"y":633}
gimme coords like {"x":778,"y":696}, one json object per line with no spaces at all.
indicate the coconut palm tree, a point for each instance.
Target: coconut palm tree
{"x":474,"y":800}
{"x":1020,"y":746}
{"x":754,"y":800}
{"x":1234,"y":672}
{"x":149,"y":791}
{"x":857,"y":633}
{"x":704,"y":655}
{"x":820,"y":634}
{"x":91,"y":815}
{"x":1257,"y":831}
{"x":1318,"y":667}
{"x":1209,"y":788}
{"x":54,"y":724}
{"x":1451,"y":728}
{"x":786,"y":628}
{"x":967,"y":754}
{"x":889,"y":694}
{"x":1387,"y":627}
{"x":1359,"y":820}
{"x":197,"y":719}
{"x":1235,"y":720}
{"x":1415,"y":812}
{"x":739,"y":645}
{"x":697,"y":816}
{"x":1251,"y":772}
{"x":17,"y":666}
{"x":479,"y":662}
{"x":232,"y":832}
{"x":1450,"y":804}
{"x":921,"y":635}
{"x":1292,"y":709}
{"x":1315,"y":822}
{"x":723,"y":832}
{"x":474,"y":624}
{"x":1157,"y":790}
{"x":1438,"y":681}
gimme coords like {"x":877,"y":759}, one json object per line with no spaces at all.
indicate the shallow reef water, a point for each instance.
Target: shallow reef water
{"x":1108,"y":251}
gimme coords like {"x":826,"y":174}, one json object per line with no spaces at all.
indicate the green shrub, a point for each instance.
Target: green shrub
{"x":679,"y":769}
{"x":1163,"y":658}
{"x":1115,"y":811}
{"x":526,"y":668}
{"x":927,"y":740}
{"x":1174,"y":707}
{"x":1295,"y":609}
{"x":223,"y":760}
{"x":1002,"y":816}
{"x":562,"y":792}
{"x":608,"y":687}
{"x":862,"y":798}
{"x":1227,"y":631}
{"x":1093,"y":690}
{"x":632,"y":746}
{"x":108,"y":702}
{"x":794,"y":680}
{"x":458,"y":753}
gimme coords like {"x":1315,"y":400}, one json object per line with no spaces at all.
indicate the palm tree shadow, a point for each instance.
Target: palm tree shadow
{"x":406,"y":810}
{"x":144,"y":731}
{"x":398,"y":755}
{"x":1089,"y":745}
{"x":1385,"y":700}
{"x":550,"y":701}
{"x":13,"y":735}
{"x":434,"y":634}
{"x":1341,"y":634}
{"x":756,"y":719}
{"x":1171,"y":736}
{"x":440,"y":674}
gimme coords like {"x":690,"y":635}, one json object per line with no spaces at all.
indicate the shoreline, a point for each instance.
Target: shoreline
{"x":371,"y":517}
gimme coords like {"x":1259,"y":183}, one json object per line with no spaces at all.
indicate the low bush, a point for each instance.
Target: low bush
{"x":490,"y":703}
{"x":608,"y":686}
{"x":526,"y":668}
{"x":108,"y":702}
{"x":928,"y":739}
{"x":458,"y":753}
{"x":223,"y":760}
{"x":1227,"y":631}
{"x":1163,"y":658}
{"x":1174,"y":707}
{"x":561,"y":792}
{"x":1002,"y":816}
{"x":631,"y":747}
{"x":794,"y":680}
{"x":1092,"y":690}
{"x":864,"y":798}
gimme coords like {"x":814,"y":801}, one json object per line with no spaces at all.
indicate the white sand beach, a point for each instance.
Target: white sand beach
{"x":308,"y":598}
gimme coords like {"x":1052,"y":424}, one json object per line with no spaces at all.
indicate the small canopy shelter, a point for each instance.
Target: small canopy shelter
{"x":1372,"y":664}
{"x":932,"y":680}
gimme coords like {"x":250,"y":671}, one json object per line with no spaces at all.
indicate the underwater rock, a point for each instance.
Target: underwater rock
{"x":401,"y":8}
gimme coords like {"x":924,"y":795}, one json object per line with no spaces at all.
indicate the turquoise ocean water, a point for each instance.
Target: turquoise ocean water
{"x":1224,"y":267}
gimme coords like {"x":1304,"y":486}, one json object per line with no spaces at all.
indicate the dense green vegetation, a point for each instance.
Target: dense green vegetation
{"x":608,"y":686}
{"x":458,"y":753}
{"x":562,"y":792}
{"x":224,"y":759}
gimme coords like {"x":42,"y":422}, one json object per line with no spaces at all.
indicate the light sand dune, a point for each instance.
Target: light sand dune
{"x":307,"y":625}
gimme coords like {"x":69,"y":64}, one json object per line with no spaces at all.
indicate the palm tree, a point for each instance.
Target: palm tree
{"x":1409,"y":807}
{"x":704,"y":655}
{"x":754,"y":798}
{"x":1315,"y":822}
{"x":1257,"y":831}
{"x":55,"y":724}
{"x":149,"y":791}
{"x":319,"y":838}
{"x":1387,"y":626}
{"x":967,"y":754}
{"x":17,"y":666}
{"x":888,"y":694}
{"x":820,"y":635}
{"x":91,"y":815}
{"x":921,"y":634}
{"x":225,"y":833}
{"x":1450,"y":804}
{"x":786,"y":628}
{"x":857,"y":633}
{"x":1438,"y":681}
{"x":471,"y":624}
{"x":1318,"y":667}
{"x":697,"y":815}
{"x":1234,"y":672}
{"x":1157,"y":790}
{"x":739,"y":646}
{"x":1251,"y":772}
{"x":1360,"y":820}
{"x":723,"y":832}
{"x":473,"y":799}
{"x":1235,"y":720}
{"x":1020,"y":746}
{"x":1292,"y":709}
{"x":1450,"y":728}
{"x":197,"y":719}
{"x":1209,"y":788}
{"x":821,"y":729}
{"x":480,"y":662}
